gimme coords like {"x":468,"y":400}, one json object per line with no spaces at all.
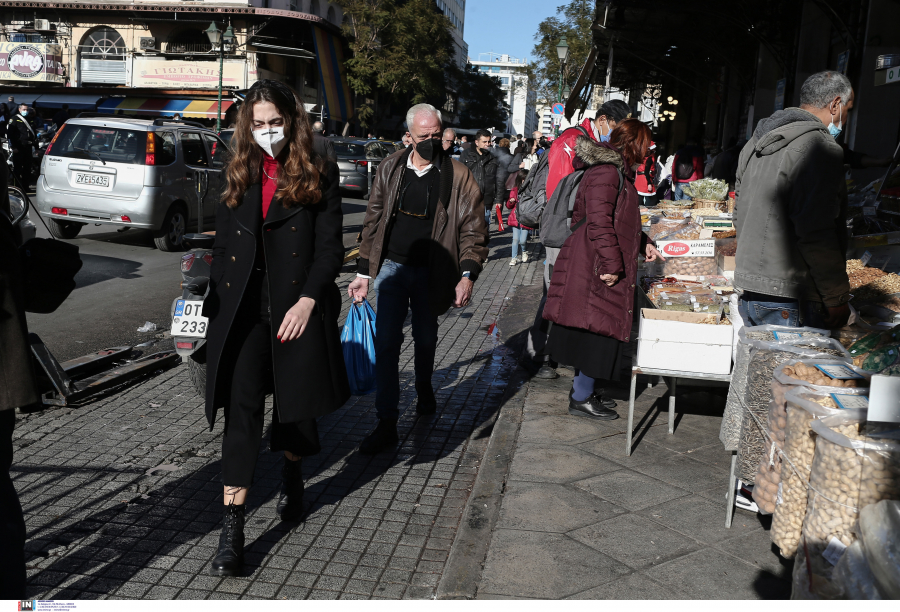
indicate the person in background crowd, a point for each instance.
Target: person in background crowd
{"x":687,"y":167}
{"x":176,"y":117}
{"x":405,"y":140}
{"x":562,"y":153}
{"x":506,"y":165}
{"x":515,"y":144}
{"x":424,"y":242}
{"x":448,"y":139}
{"x":710,"y":160}
{"x":11,"y":102}
{"x":22,"y":139}
{"x":321,"y":144}
{"x":62,"y":116}
{"x":464,"y":144}
{"x":519,"y":231}
{"x":4,"y":119}
{"x":526,"y":155}
{"x":18,"y":388}
{"x":725,"y":166}
{"x":645,"y":178}
{"x":791,"y":203}
{"x":273,"y":304}
{"x":591,"y":296}
{"x":484,"y":168}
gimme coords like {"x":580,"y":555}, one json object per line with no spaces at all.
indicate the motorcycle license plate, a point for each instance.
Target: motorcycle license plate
{"x":189,"y":320}
{"x":99,"y":180}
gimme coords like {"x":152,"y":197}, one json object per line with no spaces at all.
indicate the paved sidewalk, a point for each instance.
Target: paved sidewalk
{"x":578,"y":519}
{"x":122,"y":496}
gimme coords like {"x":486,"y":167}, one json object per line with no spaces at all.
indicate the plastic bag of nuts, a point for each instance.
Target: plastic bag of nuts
{"x":730,"y":430}
{"x":850,"y":471}
{"x":690,"y":266}
{"x":766,"y":357}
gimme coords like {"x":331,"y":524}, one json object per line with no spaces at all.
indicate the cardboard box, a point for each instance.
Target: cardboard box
{"x":676,"y":341}
{"x":726,"y":262}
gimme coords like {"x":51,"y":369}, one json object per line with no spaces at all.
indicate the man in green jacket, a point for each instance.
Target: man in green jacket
{"x":792,"y":212}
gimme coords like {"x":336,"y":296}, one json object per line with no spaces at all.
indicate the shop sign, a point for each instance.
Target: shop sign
{"x":181,"y":74}
{"x":687,"y":248}
{"x":892,"y":74}
{"x":37,"y":62}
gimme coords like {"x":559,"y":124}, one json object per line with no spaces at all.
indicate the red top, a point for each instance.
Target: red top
{"x":271,"y":168}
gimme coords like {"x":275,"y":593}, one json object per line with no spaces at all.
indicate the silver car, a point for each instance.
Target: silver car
{"x":160,"y":175}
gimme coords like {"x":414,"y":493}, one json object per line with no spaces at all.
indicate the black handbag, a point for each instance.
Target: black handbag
{"x":48,"y":273}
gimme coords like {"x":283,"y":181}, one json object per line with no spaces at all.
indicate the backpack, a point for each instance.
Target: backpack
{"x":557,"y":214}
{"x":533,"y":192}
{"x":684,"y":167}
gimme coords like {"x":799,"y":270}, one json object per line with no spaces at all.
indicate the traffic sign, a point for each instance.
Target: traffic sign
{"x":559,"y":108}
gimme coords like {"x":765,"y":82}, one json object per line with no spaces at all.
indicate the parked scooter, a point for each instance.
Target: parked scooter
{"x":189,"y":326}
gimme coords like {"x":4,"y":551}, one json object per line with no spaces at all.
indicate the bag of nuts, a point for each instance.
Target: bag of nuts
{"x":803,"y":405}
{"x":730,"y":430}
{"x":690,"y":266}
{"x":850,"y":470}
{"x":765,"y":357}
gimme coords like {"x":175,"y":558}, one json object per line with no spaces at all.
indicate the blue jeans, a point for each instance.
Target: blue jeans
{"x":520,"y":236}
{"x":401,"y":288}
{"x":678,"y":193}
{"x":759,"y":309}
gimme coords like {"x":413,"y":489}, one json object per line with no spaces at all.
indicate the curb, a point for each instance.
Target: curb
{"x":462,"y":574}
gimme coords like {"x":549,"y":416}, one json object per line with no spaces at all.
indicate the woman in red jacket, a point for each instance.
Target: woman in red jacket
{"x":591,"y":295}
{"x":519,"y":231}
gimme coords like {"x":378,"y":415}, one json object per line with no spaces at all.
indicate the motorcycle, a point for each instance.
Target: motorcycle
{"x":44,"y":137}
{"x":189,"y":326}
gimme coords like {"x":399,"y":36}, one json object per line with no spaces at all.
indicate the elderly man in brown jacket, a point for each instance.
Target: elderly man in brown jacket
{"x":424,"y":241}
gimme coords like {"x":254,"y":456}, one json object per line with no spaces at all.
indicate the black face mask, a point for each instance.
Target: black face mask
{"x":429,"y":149}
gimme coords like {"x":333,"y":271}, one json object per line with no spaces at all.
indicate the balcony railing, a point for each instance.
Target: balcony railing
{"x":186,"y":48}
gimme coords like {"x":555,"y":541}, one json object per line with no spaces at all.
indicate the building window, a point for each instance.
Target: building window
{"x":504,"y":80}
{"x":314,"y":7}
{"x":105,"y":43}
{"x":495,"y":68}
{"x":332,"y":16}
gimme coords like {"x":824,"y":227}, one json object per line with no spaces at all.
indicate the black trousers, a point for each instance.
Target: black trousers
{"x":12,"y":523}
{"x":249,"y":348}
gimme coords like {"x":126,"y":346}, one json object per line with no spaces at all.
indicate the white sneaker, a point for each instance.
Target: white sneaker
{"x":524,"y":257}
{"x":513,"y":261}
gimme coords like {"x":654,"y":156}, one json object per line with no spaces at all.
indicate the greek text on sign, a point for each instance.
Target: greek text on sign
{"x":687,"y":248}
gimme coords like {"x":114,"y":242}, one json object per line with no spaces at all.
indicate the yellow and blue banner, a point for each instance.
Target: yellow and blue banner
{"x":333,"y":75}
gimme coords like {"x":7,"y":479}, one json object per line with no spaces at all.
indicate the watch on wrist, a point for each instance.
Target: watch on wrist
{"x":467,"y":274}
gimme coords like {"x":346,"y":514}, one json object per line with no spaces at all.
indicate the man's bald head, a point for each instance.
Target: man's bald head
{"x":318,"y":127}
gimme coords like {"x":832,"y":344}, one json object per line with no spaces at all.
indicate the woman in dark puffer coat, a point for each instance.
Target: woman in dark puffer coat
{"x":591,"y":295}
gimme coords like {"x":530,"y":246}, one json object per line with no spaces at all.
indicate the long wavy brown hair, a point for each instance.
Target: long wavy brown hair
{"x":299,"y":179}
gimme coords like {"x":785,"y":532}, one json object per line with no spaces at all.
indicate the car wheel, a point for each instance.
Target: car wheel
{"x":197,"y":373}
{"x":170,"y":236}
{"x":65,"y":230}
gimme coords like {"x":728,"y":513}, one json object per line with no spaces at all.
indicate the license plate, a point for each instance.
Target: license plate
{"x":189,"y":320}
{"x":98,"y":180}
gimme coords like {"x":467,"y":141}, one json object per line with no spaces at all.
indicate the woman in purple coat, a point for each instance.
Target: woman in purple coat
{"x":591,"y":295}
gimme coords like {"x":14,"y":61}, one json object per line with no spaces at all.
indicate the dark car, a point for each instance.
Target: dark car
{"x":356,"y":158}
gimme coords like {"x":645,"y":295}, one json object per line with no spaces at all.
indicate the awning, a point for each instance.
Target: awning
{"x":188,"y":109}
{"x":333,"y":75}
{"x":22,"y":96}
{"x":75,"y":102}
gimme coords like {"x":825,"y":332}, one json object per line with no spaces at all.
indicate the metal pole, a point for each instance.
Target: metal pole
{"x":559,"y":96}
{"x":221,"y":69}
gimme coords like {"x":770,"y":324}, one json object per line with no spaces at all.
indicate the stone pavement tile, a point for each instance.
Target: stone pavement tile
{"x":699,"y":519}
{"x":714,"y":455}
{"x":713,"y":574}
{"x":191,"y":594}
{"x":161,"y":592}
{"x":554,"y":463}
{"x":550,"y":507}
{"x":390,"y":591}
{"x":482,"y":595}
{"x":612,"y":447}
{"x":418,"y":592}
{"x":756,"y":548}
{"x":292,"y":593}
{"x":634,"y":586}
{"x":543,"y":565}
{"x":323,"y":594}
{"x":557,"y":430}
{"x":686,"y":473}
{"x":635,"y":541}
{"x":631,"y":490}
{"x":684,"y":439}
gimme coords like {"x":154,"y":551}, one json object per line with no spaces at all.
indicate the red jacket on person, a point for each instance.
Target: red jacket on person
{"x":562,"y":153}
{"x":609,"y":242}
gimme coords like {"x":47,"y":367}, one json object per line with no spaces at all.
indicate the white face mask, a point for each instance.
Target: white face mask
{"x":271,"y":140}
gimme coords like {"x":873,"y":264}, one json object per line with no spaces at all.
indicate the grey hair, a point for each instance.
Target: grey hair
{"x":318,"y":126}
{"x":821,"y":88}
{"x":451,"y":130}
{"x":419,"y":109}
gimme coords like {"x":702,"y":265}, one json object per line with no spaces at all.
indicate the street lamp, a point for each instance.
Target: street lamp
{"x":562,"y":50}
{"x":218,"y":39}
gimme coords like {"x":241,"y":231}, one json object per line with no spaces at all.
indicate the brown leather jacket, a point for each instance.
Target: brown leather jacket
{"x":459,"y":233}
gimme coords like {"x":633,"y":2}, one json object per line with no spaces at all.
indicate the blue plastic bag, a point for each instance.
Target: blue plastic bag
{"x":358,"y":344}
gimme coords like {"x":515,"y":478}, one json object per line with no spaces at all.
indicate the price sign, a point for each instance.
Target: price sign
{"x":866,"y":258}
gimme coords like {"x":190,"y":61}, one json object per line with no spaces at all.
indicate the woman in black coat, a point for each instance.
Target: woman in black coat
{"x":274,"y":304}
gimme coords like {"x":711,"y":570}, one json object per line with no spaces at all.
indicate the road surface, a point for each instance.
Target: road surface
{"x":124,"y":283}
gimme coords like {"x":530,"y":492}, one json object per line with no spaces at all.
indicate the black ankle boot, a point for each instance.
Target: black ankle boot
{"x":229,"y":561}
{"x":592,"y":407}
{"x":290,"y":504}
{"x":384,"y":436}
{"x":426,"y":404}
